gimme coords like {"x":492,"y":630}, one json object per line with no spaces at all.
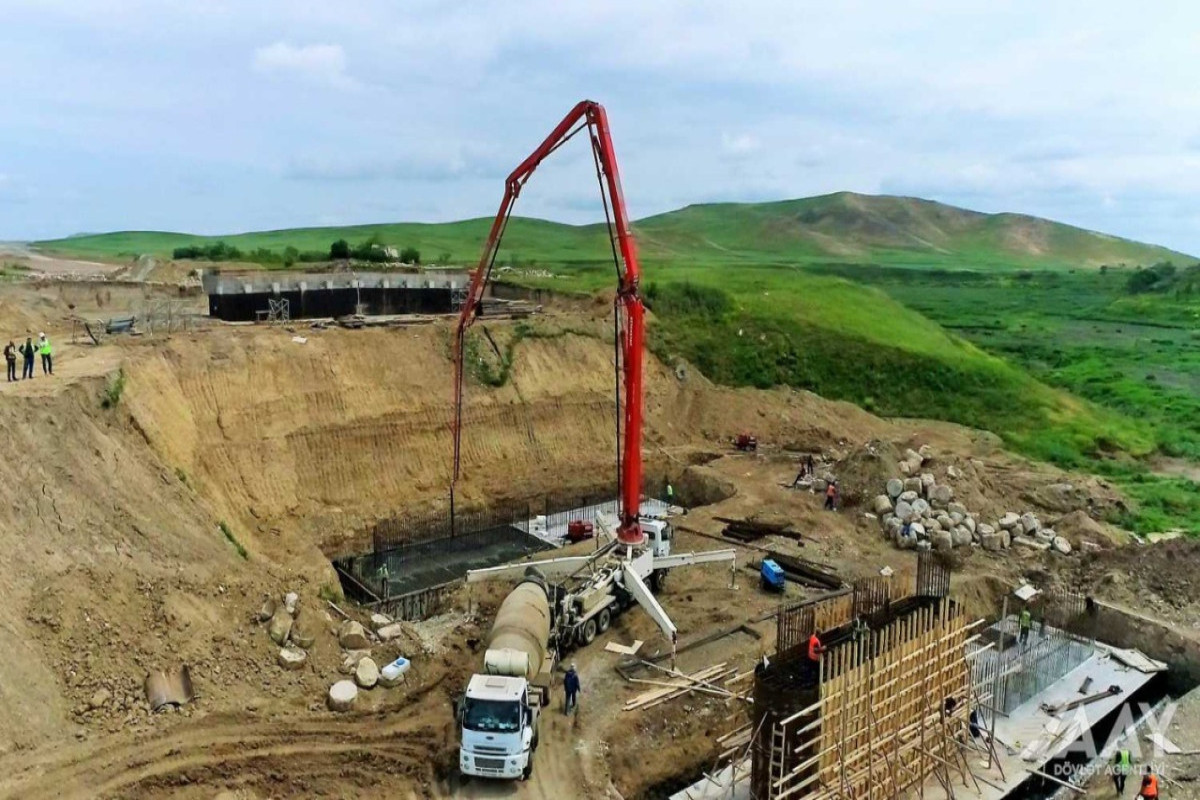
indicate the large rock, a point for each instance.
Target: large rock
{"x":921,"y":507}
{"x":882,"y":504}
{"x":904,"y":511}
{"x":941,"y":495}
{"x":917,"y":530}
{"x":1030,"y":523}
{"x":1032,"y":544}
{"x":292,"y":658}
{"x":281,"y":626}
{"x":935,"y":524}
{"x":925,"y":451}
{"x":984,"y":529}
{"x":957,"y":508}
{"x":913,"y":485}
{"x":350,"y":661}
{"x":891,"y":526}
{"x":960,"y":536}
{"x":1046,"y":535}
{"x":953,"y":472}
{"x":991,"y":541}
{"x":342,"y":696}
{"x":390,"y":632}
{"x":904,"y":542}
{"x":380,"y":621}
{"x":352,"y":636}
{"x":1010,"y":521}
{"x":1061,"y":545}
{"x":969,"y":522}
{"x":304,"y":630}
{"x":909,"y":496}
{"x":894,"y":487}
{"x":1005,"y":539}
{"x":913,"y":457}
{"x":290,"y":601}
{"x":905,"y":468}
{"x":927,"y":483}
{"x":268,"y":609}
{"x":942,"y":540}
{"x":366,"y":674}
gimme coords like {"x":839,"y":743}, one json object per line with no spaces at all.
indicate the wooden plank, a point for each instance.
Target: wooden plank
{"x":623,"y":649}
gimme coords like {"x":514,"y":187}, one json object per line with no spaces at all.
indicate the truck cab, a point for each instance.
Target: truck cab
{"x":498,"y":717}
{"x":658,"y":535}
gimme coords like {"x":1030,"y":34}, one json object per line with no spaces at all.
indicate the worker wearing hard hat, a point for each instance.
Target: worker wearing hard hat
{"x":47,"y":354}
{"x":571,"y":688}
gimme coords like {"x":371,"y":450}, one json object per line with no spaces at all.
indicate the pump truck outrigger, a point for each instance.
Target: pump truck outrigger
{"x":499,"y":713}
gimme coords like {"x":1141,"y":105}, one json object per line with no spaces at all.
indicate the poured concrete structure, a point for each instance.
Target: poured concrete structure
{"x":246,"y":296}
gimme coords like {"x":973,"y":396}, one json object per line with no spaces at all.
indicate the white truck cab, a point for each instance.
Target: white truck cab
{"x":498,"y":716}
{"x":658,"y":535}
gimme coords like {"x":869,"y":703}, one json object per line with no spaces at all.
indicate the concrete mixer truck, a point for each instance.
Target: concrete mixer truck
{"x":500,"y":711}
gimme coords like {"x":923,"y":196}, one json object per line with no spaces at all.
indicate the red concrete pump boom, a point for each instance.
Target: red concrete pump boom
{"x":631,"y":313}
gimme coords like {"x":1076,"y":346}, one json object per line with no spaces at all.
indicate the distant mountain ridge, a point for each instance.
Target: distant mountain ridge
{"x":842,"y":227}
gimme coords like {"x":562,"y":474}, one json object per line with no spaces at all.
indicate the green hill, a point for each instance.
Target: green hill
{"x":842,"y":227}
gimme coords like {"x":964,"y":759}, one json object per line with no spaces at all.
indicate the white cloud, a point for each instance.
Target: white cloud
{"x":320,"y":63}
{"x":742,"y":144}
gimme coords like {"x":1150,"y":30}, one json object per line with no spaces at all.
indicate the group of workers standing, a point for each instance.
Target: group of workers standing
{"x":28,"y":351}
{"x":808,"y":470}
{"x":1122,"y":765}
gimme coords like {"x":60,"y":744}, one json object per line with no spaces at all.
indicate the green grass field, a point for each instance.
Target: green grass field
{"x":840,"y":227}
{"x":905,"y":307}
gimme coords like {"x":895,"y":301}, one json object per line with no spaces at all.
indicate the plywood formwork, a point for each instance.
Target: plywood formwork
{"x":887,"y":707}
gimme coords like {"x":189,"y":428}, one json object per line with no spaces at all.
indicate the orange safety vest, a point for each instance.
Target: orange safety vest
{"x":1150,"y":786}
{"x":830,"y":490}
{"x":814,"y":648}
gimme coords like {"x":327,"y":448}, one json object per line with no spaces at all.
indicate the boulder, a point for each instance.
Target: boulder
{"x":969,"y":523}
{"x":984,"y":529}
{"x":956,"y":518}
{"x":946,"y":520}
{"x":1045,"y":535}
{"x":1010,"y":521}
{"x":350,"y":662}
{"x":281,"y":626}
{"x":366,"y":674}
{"x":913,"y":457}
{"x":1030,"y":523}
{"x":268,"y":609}
{"x":882,"y":504}
{"x":909,"y":496}
{"x":380,"y":621}
{"x":957,"y":508}
{"x":935,"y":524}
{"x":913,"y":485}
{"x":390,"y":632}
{"x":953,"y":472}
{"x":894,"y":487}
{"x":991,"y":541}
{"x":1032,"y":544}
{"x":304,"y":631}
{"x":960,"y":536}
{"x":927,"y":483}
{"x":342,"y":696}
{"x":290,"y":601}
{"x":819,"y":485}
{"x":892,"y":527}
{"x":921,"y":507}
{"x":352,"y":636}
{"x":904,"y":511}
{"x":292,"y":658}
{"x":904,"y":542}
{"x":905,"y":468}
{"x":942,"y":540}
{"x":1005,"y":539}
{"x":1061,"y":545}
{"x":925,"y":451}
{"x":941,"y":495}
{"x":917,"y":530}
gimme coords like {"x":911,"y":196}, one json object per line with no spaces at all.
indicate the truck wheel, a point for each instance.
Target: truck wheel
{"x":528,"y":771}
{"x":587,"y":634}
{"x":603,"y":620}
{"x":658,"y":579}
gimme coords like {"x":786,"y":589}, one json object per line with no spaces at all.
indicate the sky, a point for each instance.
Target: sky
{"x":220,"y":116}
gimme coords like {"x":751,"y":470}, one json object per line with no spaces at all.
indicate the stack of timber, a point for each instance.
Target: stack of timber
{"x":710,"y":680}
{"x":746,"y":530}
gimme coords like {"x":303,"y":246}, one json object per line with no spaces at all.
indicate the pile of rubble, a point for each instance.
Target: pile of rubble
{"x":916,"y":511}
{"x":296,"y":633}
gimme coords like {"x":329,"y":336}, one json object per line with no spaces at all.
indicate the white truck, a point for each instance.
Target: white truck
{"x":537,"y":622}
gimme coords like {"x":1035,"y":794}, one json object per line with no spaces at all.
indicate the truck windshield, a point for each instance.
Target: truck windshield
{"x":492,"y":716}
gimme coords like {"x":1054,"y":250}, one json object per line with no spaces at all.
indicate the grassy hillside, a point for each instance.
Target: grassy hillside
{"x":840,"y":227}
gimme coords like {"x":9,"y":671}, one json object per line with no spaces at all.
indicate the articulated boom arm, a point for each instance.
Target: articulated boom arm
{"x":631,"y":312}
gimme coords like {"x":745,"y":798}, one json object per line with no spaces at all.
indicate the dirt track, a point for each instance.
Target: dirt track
{"x":112,"y":562}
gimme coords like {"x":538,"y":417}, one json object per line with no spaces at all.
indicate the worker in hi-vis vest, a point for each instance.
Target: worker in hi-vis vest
{"x":1122,"y":763}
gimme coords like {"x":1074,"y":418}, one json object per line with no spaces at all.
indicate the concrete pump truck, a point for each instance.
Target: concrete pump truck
{"x":565,"y":602}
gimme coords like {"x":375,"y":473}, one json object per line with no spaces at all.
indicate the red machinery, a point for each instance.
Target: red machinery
{"x":745,"y":441}
{"x":631,"y":313}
